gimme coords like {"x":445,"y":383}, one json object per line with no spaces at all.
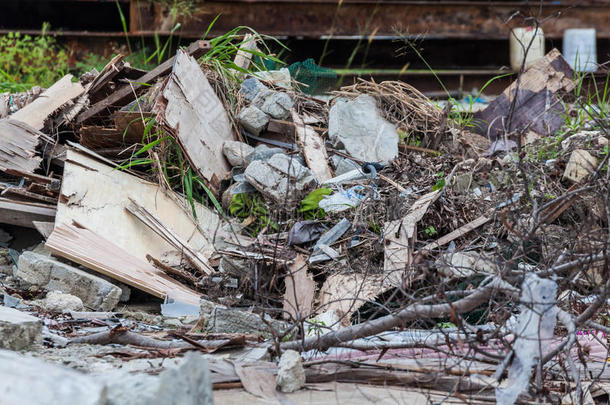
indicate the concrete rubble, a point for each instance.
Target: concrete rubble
{"x":271,"y":245}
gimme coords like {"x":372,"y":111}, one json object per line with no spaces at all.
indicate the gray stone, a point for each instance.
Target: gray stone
{"x":28,"y":380}
{"x":18,"y":330}
{"x":56,"y":301}
{"x":188,"y":384}
{"x":236,"y":152}
{"x":281,"y":178}
{"x":221,"y":319}
{"x":253,"y":119}
{"x":251,"y":88}
{"x":290,"y":372}
{"x":357,"y":126}
{"x":276,"y":104}
{"x":96,"y":293}
{"x":262,"y":152}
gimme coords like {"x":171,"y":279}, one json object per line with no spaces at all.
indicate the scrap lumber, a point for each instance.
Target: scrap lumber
{"x":83,"y":246}
{"x":153,"y":222}
{"x":96,"y":195}
{"x":44,"y":228}
{"x":399,"y":238}
{"x":300,"y":290}
{"x":191,"y":110}
{"x":344,"y":294}
{"x":25,"y":213}
{"x":18,"y":142}
{"x":38,"y":111}
{"x":128,"y":93}
{"x":112,"y":68}
{"x":461,"y":231}
{"x":538,"y":110}
{"x":312,"y":146}
{"x":244,"y":54}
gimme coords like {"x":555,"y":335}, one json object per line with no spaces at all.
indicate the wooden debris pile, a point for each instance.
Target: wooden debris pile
{"x":321,"y":224}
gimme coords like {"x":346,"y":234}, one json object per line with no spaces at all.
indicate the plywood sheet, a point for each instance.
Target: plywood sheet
{"x":18,"y":142}
{"x":38,"y":111}
{"x":83,"y":246}
{"x":96,"y":195}
{"x":191,"y":109}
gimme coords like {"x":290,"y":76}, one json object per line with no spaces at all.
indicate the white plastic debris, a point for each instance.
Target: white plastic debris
{"x":342,"y":200}
{"x":533,"y":334}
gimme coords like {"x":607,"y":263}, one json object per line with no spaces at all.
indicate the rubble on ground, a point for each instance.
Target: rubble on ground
{"x":366,"y":238}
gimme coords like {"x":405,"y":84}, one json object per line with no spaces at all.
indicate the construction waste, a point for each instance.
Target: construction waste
{"x":302,"y":245}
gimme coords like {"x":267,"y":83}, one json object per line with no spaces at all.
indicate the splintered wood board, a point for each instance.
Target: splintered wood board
{"x":190,"y":108}
{"x":18,"y":142}
{"x":346,"y":293}
{"x":312,"y":145}
{"x":25,"y":213}
{"x":89,"y":249}
{"x":300,"y":290}
{"x":36,"y":113}
{"x":399,"y":238}
{"x":95,"y":195}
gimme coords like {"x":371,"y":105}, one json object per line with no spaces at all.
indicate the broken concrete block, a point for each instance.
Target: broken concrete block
{"x":343,"y":165}
{"x":188,"y":384}
{"x":276,"y":104}
{"x":290,"y":372}
{"x":580,"y":165}
{"x":236,"y":152}
{"x":253,"y":120}
{"x":97,"y":294}
{"x":251,"y":88}
{"x":18,"y":330}
{"x":56,"y":301}
{"x":262,"y":152}
{"x":281,"y":178}
{"x":221,"y":319}
{"x":28,"y":380}
{"x":357,"y":126}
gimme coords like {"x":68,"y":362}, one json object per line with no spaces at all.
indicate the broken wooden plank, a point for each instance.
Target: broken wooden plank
{"x":399,"y":238}
{"x":191,"y":110}
{"x":461,"y":231}
{"x":244,"y":54}
{"x":38,"y":111}
{"x":18,"y":143}
{"x":96,"y":195}
{"x":45,"y":228}
{"x":24,"y":213}
{"x":314,"y":151}
{"x":538,"y":110}
{"x":128,"y":93}
{"x":38,"y":178}
{"x":153,"y":222}
{"x":346,"y":293}
{"x":112,"y":68}
{"x":83,"y":246}
{"x":27,"y":195}
{"x":300,"y":290}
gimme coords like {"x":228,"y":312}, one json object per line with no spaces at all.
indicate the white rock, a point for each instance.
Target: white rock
{"x":253,"y":120}
{"x":236,"y":152}
{"x":580,"y":165}
{"x":56,"y":301}
{"x":290,"y":373}
{"x":357,"y":126}
{"x":18,"y":331}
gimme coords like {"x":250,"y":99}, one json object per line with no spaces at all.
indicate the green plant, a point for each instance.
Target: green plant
{"x":440,"y":183}
{"x":251,"y":207}
{"x":26,"y":61}
{"x":316,"y":327}
{"x":310,"y":204}
{"x":430,"y":231}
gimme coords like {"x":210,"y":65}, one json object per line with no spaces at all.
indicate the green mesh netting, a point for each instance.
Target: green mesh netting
{"x":312,"y":79}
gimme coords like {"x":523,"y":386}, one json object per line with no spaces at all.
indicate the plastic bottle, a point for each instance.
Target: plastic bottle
{"x":520,"y":39}
{"x":579,"y":49}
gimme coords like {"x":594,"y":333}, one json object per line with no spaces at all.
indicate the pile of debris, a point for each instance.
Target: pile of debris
{"x":365,"y":227}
